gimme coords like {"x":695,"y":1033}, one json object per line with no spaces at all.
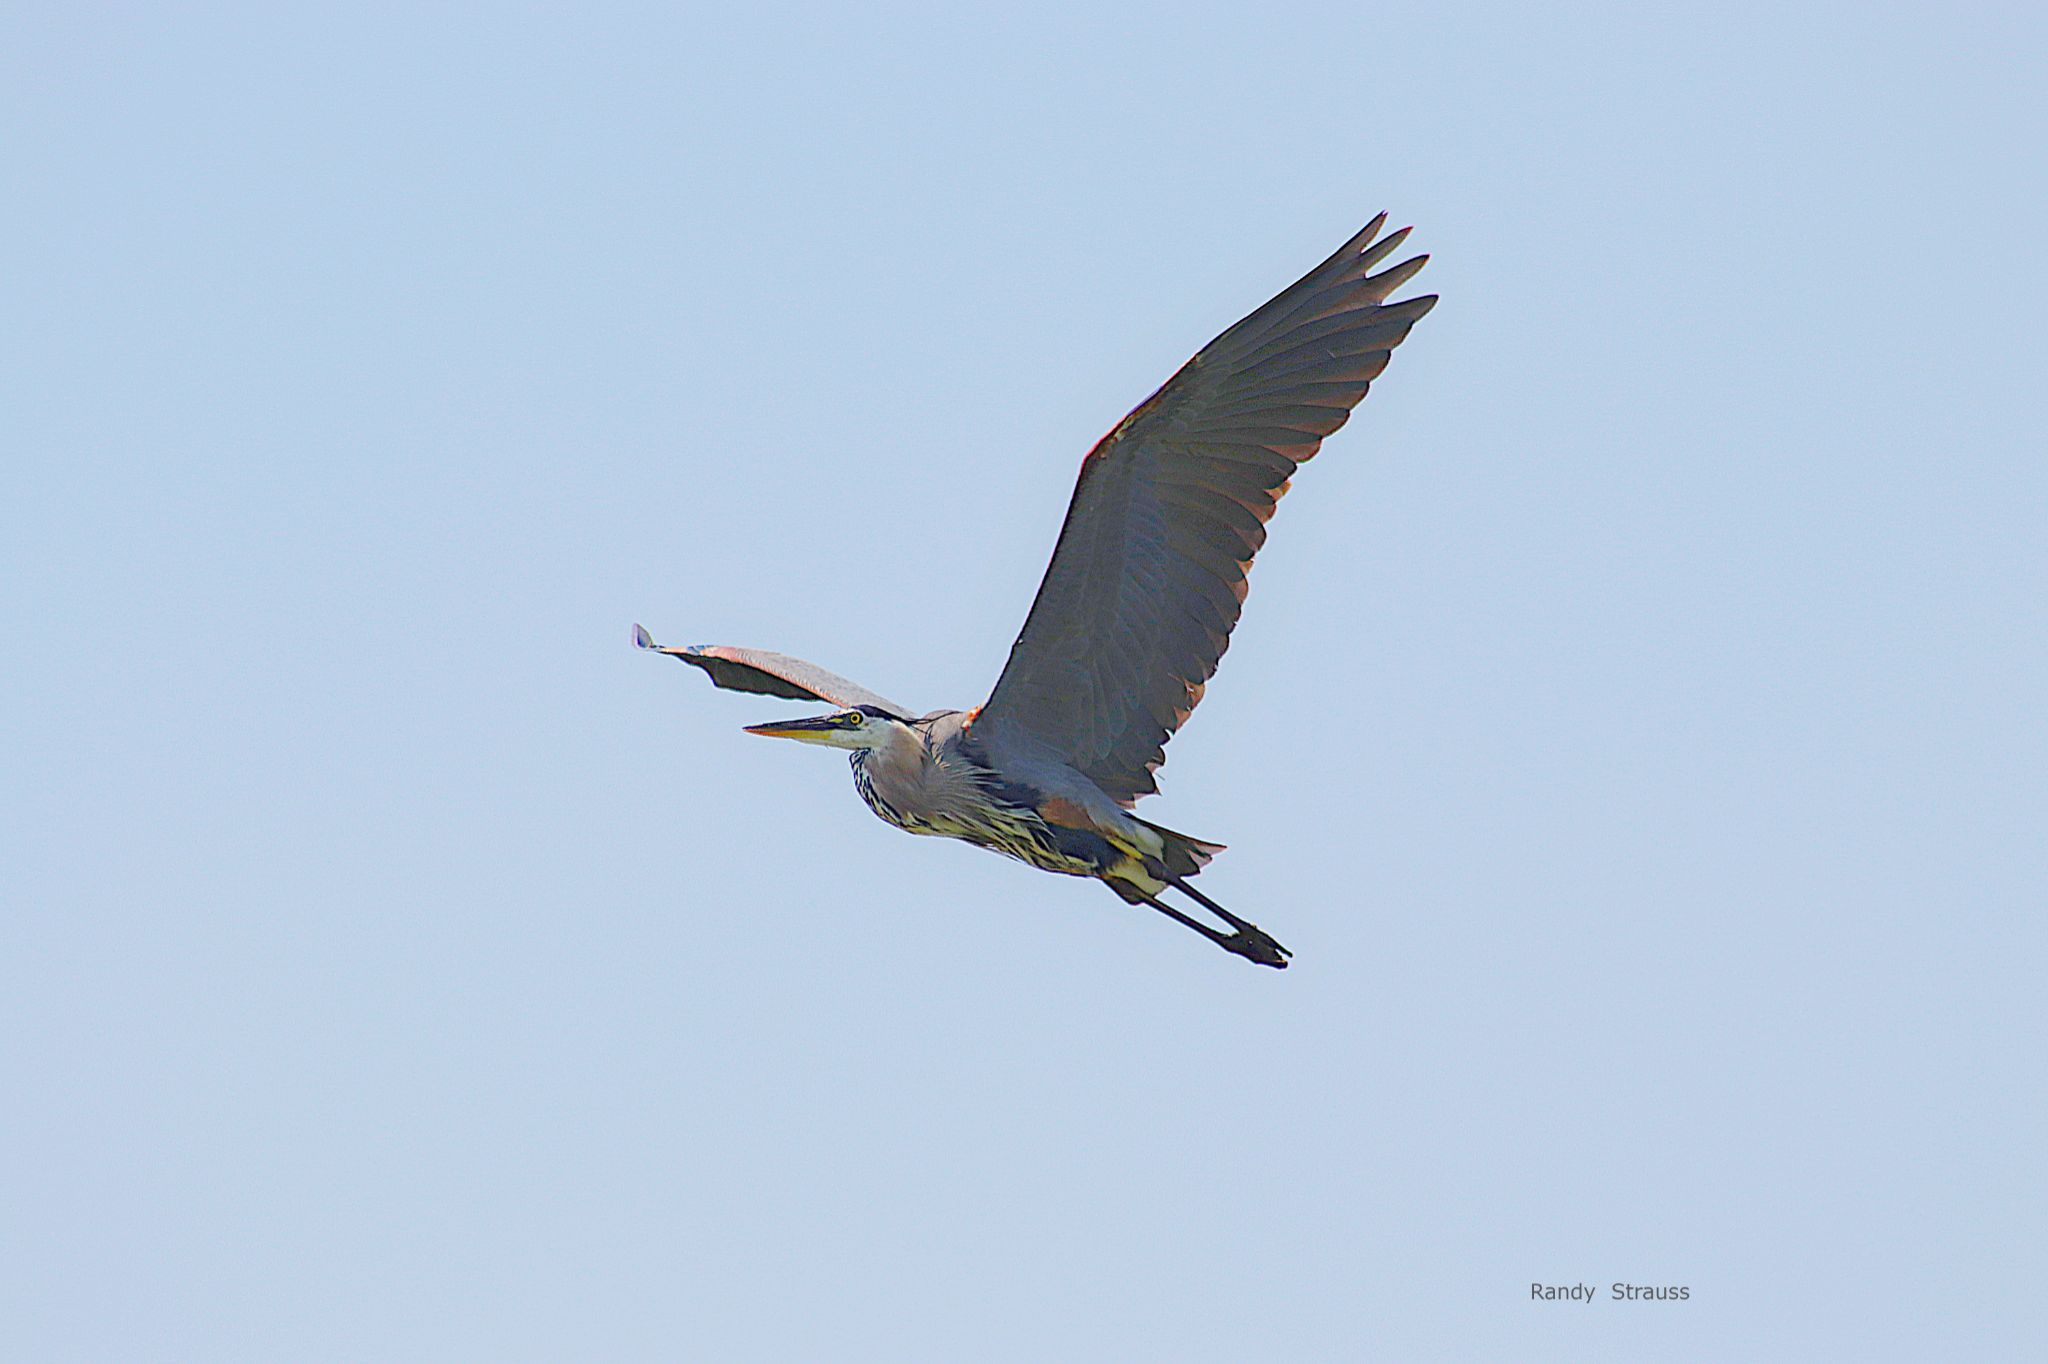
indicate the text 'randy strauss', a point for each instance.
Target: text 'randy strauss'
{"x":1619,"y":1292}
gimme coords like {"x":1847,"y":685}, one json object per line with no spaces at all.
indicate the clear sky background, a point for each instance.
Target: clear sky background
{"x":1636,"y":729}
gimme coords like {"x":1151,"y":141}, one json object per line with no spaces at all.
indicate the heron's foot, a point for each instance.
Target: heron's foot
{"x":1254,"y":944}
{"x":1249,"y":941}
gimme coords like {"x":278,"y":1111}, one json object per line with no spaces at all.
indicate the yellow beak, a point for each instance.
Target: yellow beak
{"x":791,"y":729}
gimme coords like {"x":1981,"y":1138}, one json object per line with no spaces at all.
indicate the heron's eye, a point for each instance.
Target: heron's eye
{"x":852,"y":719}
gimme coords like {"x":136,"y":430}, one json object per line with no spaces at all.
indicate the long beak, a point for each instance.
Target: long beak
{"x":791,"y":729}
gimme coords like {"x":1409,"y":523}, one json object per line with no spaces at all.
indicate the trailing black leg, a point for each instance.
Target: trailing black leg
{"x":1249,"y":941}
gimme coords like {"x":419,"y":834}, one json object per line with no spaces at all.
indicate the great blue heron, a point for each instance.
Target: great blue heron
{"x":1135,"y":610}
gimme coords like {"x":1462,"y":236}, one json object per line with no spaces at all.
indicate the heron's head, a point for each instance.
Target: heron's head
{"x":859,"y":727}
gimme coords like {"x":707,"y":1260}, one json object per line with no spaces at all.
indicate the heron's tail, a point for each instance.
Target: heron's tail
{"x":1183,"y":856}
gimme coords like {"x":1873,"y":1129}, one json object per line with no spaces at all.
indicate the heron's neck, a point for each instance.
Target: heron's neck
{"x":891,"y":773}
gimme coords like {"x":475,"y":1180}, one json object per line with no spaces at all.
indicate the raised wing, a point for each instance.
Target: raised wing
{"x":757,"y":670}
{"x":1149,"y":574}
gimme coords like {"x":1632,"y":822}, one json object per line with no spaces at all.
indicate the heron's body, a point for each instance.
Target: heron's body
{"x":928,"y":777}
{"x":933,"y":776}
{"x":1134,"y":613}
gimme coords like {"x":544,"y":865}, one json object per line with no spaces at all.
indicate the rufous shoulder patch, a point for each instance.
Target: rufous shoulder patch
{"x":1060,"y":810}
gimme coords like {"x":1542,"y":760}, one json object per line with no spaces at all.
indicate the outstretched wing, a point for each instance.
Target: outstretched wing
{"x":757,"y":670}
{"x":1149,"y":574}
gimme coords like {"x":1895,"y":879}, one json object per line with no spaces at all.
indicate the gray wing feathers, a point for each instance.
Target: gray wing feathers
{"x":771,"y":674}
{"x":1149,"y":575}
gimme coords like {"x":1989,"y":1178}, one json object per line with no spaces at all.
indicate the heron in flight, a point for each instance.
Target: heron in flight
{"x":1135,"y":610}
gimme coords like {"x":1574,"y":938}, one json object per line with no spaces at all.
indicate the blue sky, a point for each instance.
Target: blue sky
{"x":1635,"y":730}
